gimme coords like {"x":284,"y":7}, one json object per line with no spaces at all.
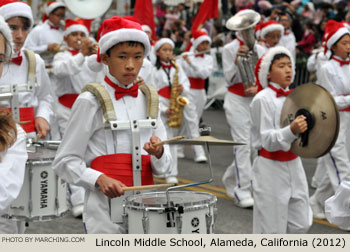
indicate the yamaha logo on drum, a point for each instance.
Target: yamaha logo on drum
{"x":195,"y":224}
{"x":43,"y":189}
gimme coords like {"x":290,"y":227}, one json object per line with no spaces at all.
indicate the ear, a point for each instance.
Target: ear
{"x":268,"y":76}
{"x":65,"y":38}
{"x":105,"y":58}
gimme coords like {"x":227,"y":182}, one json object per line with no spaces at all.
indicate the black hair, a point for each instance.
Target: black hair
{"x":130,"y":43}
{"x":158,"y":65}
{"x":277,"y":57}
{"x":58,"y":8}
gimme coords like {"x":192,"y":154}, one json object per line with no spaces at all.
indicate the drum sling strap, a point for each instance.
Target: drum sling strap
{"x":24,"y":116}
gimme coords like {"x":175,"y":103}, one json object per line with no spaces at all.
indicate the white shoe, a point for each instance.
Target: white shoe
{"x":244,"y":203}
{"x":317,"y":210}
{"x":171,"y":180}
{"x":200,"y":159}
{"x":344,"y":228}
{"x":77,"y":211}
{"x":314,"y":183}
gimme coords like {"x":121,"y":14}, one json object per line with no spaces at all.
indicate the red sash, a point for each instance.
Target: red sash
{"x":278,"y":155}
{"x":119,"y":166}
{"x":197,"y":83}
{"x":68,"y":100}
{"x":345,"y":109}
{"x":27,"y":114}
{"x":165,"y":92}
{"x":237,"y":89}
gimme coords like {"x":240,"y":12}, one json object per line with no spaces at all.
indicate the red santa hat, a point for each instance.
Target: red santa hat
{"x":15,"y":8}
{"x":53,"y":5}
{"x":333,"y":32}
{"x":262,"y":68}
{"x":6,"y":32}
{"x":74,"y":26}
{"x":163,"y":41}
{"x":270,"y":26}
{"x":116,"y":30}
{"x":258,"y":31}
{"x":198,"y":37}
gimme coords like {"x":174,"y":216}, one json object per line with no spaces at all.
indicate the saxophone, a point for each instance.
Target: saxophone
{"x":177,"y":102}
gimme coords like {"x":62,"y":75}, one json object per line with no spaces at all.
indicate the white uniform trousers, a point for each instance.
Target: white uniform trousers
{"x":11,"y":226}
{"x":190,"y":128}
{"x":172,"y":132}
{"x":336,"y":162}
{"x":281,"y":197}
{"x":237,"y":177}
{"x":96,"y":217}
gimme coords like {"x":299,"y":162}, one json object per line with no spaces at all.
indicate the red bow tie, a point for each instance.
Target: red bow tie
{"x":73,"y":52}
{"x":120,"y":92}
{"x":166,"y":66}
{"x":17,"y":60}
{"x":54,"y":27}
{"x":200,"y":55}
{"x":342,"y":62}
{"x":280,"y":91}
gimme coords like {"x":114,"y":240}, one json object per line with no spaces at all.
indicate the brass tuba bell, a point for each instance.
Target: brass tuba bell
{"x":244,"y":22}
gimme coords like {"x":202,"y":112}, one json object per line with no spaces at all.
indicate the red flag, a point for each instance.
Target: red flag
{"x":143,"y":12}
{"x":208,"y":10}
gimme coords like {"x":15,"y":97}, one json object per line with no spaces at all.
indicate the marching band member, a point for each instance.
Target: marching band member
{"x":288,"y":39}
{"x":36,"y":106}
{"x":70,"y":75}
{"x":164,"y":79}
{"x":123,"y":45}
{"x":198,"y":66}
{"x":280,"y":187}
{"x":335,"y":78}
{"x":237,"y":177}
{"x":46,"y":38}
{"x":13,"y":153}
{"x":271,"y":33}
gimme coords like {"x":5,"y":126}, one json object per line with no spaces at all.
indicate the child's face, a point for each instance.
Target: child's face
{"x":19,"y":31}
{"x":272,"y":38}
{"x":73,"y":38}
{"x":124,"y":62}
{"x":342,"y":48}
{"x":281,"y":72}
{"x":204,"y":46}
{"x":165,"y":52}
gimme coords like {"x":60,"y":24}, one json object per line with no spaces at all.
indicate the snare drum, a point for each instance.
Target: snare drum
{"x":43,"y":195}
{"x":192,"y":212}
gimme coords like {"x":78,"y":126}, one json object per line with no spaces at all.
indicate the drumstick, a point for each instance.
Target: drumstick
{"x":23,"y":122}
{"x":37,"y":137}
{"x":146,"y":187}
{"x":168,"y":141}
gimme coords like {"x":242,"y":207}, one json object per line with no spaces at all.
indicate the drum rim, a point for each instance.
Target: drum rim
{"x":188,"y":206}
{"x":35,"y":218}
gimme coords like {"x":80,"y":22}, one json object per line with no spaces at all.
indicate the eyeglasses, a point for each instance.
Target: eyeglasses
{"x":273,"y":36}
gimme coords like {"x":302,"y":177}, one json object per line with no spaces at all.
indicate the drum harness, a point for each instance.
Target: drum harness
{"x":11,"y":92}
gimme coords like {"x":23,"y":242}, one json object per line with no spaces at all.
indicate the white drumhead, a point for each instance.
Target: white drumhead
{"x":157,"y":200}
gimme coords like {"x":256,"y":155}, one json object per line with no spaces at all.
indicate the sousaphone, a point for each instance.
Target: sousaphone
{"x":88,"y":9}
{"x":321,"y":112}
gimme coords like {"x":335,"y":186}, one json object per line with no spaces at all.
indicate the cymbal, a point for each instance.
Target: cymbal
{"x":202,"y":140}
{"x":318,"y":105}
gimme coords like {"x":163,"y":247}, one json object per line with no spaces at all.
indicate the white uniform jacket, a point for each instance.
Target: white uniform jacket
{"x":12,"y":169}
{"x":71,"y":73}
{"x":288,"y":41}
{"x":41,"y":98}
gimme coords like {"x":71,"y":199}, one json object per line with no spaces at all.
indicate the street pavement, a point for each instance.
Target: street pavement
{"x":230,"y":218}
